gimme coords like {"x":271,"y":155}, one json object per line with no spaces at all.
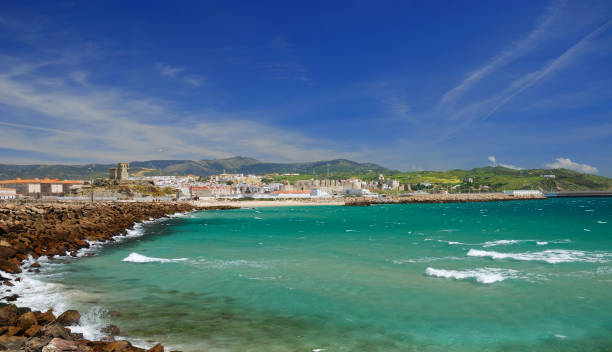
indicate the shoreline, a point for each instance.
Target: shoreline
{"x":47,"y":231}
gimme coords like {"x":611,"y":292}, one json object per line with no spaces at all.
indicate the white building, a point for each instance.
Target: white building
{"x":8,"y":193}
{"x":523,"y":192}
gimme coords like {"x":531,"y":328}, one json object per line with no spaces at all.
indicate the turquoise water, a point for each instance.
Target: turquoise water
{"x":503,"y":276}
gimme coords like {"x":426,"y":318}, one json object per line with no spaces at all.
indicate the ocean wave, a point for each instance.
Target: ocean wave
{"x":423,"y":260}
{"x":552,"y":256}
{"x":481,"y":275}
{"x":501,"y":243}
{"x":139,"y":258}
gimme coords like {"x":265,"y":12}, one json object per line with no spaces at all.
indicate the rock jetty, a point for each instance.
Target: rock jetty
{"x":58,"y":229}
{"x":439,"y":198}
{"x":24,"y":330}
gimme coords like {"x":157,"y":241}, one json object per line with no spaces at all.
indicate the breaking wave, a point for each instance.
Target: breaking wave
{"x":481,"y":275}
{"x":552,"y":256}
{"x":139,"y":258}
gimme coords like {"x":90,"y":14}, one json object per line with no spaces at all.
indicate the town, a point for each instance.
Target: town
{"x":121,"y":185}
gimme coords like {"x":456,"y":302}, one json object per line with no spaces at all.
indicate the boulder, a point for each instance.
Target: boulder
{"x":45,"y":318}
{"x":7,"y":252}
{"x":55,"y":330}
{"x":33,"y":330}
{"x":118,"y":346}
{"x":9,"y":266}
{"x":35,"y":265}
{"x":156,"y":348}
{"x":60,"y":345}
{"x":69,"y":317}
{"x":25,"y":321}
{"x":8,"y":315}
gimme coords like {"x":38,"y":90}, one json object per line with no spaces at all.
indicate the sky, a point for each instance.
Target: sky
{"x":410,"y":85}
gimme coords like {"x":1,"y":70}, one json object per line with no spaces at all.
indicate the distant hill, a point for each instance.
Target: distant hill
{"x":498,"y":178}
{"x":502,"y":178}
{"x":195,"y":167}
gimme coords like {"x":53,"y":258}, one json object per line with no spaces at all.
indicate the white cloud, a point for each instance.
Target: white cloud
{"x":91,"y":123}
{"x":493,"y":160}
{"x":567,"y":163}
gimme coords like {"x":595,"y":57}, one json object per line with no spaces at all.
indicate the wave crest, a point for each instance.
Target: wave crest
{"x":481,"y":275}
{"x":139,"y":258}
{"x":552,"y":256}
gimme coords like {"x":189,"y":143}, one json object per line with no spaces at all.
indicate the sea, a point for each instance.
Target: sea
{"x":499,"y":276}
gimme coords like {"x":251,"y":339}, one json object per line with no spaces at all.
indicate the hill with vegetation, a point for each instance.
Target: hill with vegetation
{"x":495,"y":178}
{"x":184,"y":167}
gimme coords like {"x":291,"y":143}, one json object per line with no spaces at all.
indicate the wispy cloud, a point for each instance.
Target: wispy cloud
{"x":515,"y":51}
{"x":567,"y":163}
{"x":97,"y":124}
{"x":179,"y":73}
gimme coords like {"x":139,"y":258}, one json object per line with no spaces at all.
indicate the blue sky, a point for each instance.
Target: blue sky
{"x":408,"y":85}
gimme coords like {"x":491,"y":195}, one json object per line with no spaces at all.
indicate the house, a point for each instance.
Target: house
{"x":41,"y":187}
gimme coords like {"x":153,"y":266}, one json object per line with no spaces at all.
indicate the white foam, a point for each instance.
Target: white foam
{"x":541,"y":243}
{"x":423,"y":260}
{"x":139,"y":258}
{"x":92,"y":323}
{"x":500,"y":243}
{"x":601,"y":222}
{"x":481,"y":275}
{"x":587,"y":230}
{"x":552,"y":256}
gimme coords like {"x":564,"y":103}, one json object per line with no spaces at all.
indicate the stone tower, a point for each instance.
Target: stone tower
{"x":122,"y":171}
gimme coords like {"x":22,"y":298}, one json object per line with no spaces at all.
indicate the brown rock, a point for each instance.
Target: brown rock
{"x":156,"y":348}
{"x":35,"y":265}
{"x":9,"y":266}
{"x":7,"y":252}
{"x":45,"y":318}
{"x":60,"y":345}
{"x":33,"y":330}
{"x":69,"y":317}
{"x":12,"y":331}
{"x":118,"y":346}
{"x":8,"y":315}
{"x":26,"y":320}
{"x":55,"y":330}
{"x":12,"y":343}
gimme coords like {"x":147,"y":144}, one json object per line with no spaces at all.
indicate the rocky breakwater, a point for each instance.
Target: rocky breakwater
{"x":52,"y":229}
{"x":24,"y":330}
{"x":439,"y":198}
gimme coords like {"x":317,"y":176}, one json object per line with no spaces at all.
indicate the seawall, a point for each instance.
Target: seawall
{"x":439,"y":198}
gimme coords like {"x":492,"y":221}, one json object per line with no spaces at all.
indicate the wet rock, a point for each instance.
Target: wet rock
{"x":25,"y":321}
{"x":11,"y":298}
{"x":69,"y":317}
{"x":111,"y":330}
{"x":35,"y":265}
{"x":7,"y":252}
{"x":156,"y":348}
{"x":60,"y":345}
{"x":9,"y":266}
{"x":118,"y":346}
{"x":45,"y":318}
{"x":13,"y":343}
{"x":8,"y":315}
{"x":33,"y":330}
{"x":56,"y":330}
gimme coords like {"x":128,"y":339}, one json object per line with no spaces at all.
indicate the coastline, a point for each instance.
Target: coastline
{"x":43,"y":231}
